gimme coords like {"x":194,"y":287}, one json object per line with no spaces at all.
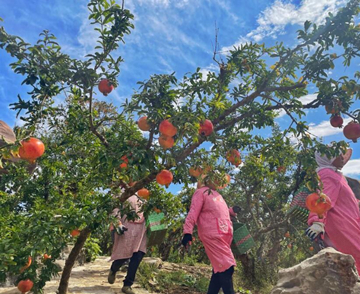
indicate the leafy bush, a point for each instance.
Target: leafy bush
{"x":92,"y":249}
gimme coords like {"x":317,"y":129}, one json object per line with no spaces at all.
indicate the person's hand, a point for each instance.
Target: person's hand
{"x":120,"y":230}
{"x":236,"y":208}
{"x":186,"y":240}
{"x":314,"y":230}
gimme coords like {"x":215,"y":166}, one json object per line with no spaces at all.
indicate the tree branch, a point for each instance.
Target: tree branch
{"x":270,"y":228}
{"x":285,"y":88}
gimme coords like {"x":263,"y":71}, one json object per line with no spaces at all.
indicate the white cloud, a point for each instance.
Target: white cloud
{"x":273,"y":20}
{"x":304,"y":100}
{"x":324,"y":129}
{"x":242,"y":41}
{"x":352,"y":168}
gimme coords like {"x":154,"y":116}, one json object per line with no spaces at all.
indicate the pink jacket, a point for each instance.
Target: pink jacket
{"x":211,"y":214}
{"x":134,"y":239}
{"x":342,"y":221}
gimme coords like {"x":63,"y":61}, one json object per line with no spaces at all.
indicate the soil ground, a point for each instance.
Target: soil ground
{"x":91,"y":278}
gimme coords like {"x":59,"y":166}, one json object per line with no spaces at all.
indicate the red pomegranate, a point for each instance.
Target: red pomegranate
{"x":144,"y":193}
{"x":166,"y":142}
{"x":336,"y":121}
{"x":125,"y":162}
{"x":25,"y":285}
{"x":143,"y":124}
{"x":352,"y":131}
{"x":318,"y":203}
{"x":206,"y":128}
{"x":31,"y":149}
{"x":167,"y":128}
{"x":228,"y":179}
{"x":75,"y":233}
{"x":233,"y":156}
{"x":105,"y":87}
{"x":195,"y":171}
{"x":164,"y":178}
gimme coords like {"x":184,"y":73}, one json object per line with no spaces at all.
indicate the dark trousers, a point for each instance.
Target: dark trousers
{"x":133,"y":266}
{"x":222,"y":280}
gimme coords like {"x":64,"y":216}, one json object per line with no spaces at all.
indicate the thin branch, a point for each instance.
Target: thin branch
{"x":313,"y":104}
{"x":271,"y":228}
{"x":151,"y":136}
{"x":93,"y":129}
{"x":282,"y":106}
{"x":285,"y":89}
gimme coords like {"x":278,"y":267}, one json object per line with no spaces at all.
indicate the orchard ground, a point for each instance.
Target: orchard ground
{"x":91,"y":278}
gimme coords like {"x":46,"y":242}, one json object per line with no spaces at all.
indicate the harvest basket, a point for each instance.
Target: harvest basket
{"x":242,"y":240}
{"x":298,"y":208}
{"x":156,"y":230}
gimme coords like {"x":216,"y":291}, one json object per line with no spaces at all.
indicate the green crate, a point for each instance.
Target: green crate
{"x":156,"y":230}
{"x":242,"y":240}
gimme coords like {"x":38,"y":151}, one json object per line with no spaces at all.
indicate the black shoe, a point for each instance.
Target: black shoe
{"x":127,"y":290}
{"x":111,"y":277}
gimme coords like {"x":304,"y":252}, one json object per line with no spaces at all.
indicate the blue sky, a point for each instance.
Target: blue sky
{"x":171,"y":36}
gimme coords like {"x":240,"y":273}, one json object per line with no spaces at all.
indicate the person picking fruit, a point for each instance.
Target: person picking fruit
{"x":341,"y":223}
{"x":129,"y":243}
{"x":211,"y":214}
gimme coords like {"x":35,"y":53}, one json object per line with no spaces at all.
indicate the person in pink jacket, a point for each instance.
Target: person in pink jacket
{"x":341,"y":224}
{"x":129,"y":243}
{"x":211,"y":214}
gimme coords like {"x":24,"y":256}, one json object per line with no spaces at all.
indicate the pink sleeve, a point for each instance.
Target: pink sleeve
{"x":231,"y":211}
{"x":331,"y":188}
{"x":197,"y":202}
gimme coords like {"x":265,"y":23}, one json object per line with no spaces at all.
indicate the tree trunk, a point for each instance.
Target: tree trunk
{"x":248,"y":265}
{"x":64,"y":281}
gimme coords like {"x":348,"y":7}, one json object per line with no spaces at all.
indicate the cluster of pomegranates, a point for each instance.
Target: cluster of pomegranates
{"x":351,"y":130}
{"x":26,"y":285}
{"x":167,"y":132}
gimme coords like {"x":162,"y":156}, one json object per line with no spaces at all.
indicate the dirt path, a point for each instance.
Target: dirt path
{"x":90,"y":278}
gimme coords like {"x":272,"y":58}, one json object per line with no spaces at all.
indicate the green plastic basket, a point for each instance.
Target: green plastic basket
{"x":298,"y":209}
{"x":156,"y":230}
{"x":242,"y":240}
